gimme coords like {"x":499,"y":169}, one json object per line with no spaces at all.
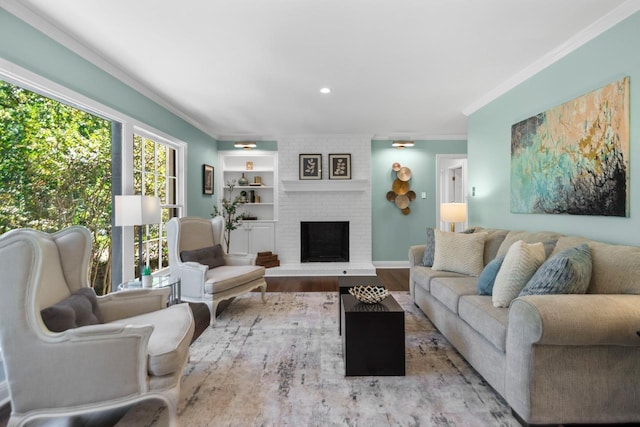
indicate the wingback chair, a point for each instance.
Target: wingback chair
{"x":119,"y":349}
{"x":235,"y":274}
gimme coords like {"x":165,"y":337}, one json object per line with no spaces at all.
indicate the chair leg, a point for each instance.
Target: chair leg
{"x":212,"y":309}
{"x":263,"y":289}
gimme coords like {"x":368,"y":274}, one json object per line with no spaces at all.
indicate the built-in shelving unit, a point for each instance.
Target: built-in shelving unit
{"x":325,"y":185}
{"x":261,"y":167}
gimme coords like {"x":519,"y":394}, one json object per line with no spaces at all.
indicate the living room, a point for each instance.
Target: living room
{"x":586,"y":60}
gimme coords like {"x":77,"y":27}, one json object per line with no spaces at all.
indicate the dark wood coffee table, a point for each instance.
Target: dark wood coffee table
{"x":372,"y":337}
{"x":347,"y":282}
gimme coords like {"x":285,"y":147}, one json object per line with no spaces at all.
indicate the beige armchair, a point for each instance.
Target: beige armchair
{"x":199,"y":282}
{"x":130,"y":347}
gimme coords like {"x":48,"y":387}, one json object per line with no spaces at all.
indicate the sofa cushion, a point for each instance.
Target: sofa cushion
{"x":79,"y":309}
{"x":615,"y":268}
{"x":229,"y":276}
{"x":487,"y":278}
{"x":460,"y":253}
{"x":548,"y":239}
{"x":430,"y":248}
{"x":489,"y":321}
{"x":169,"y":342}
{"x":422,"y":276}
{"x":566,"y":272}
{"x":211,"y":256}
{"x":520,"y":263}
{"x":492,"y":243}
{"x":448,"y":290}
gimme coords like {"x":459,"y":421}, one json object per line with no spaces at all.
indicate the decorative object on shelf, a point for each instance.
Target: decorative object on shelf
{"x":257,"y":180}
{"x":243,"y":181}
{"x":207,"y":179}
{"x":245,"y":145}
{"x":147,"y":280}
{"x":228,"y":212}
{"x":402,"y":144}
{"x":248,"y":216}
{"x":249,"y":166}
{"x":400,"y":194}
{"x":310,"y":166}
{"x":339,"y":166}
{"x":574,"y":158}
{"x":369,"y":294}
{"x":452,"y":213}
{"x":137,"y":210}
{"x":243,"y":197}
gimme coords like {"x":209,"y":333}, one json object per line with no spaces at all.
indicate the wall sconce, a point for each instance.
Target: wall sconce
{"x":245,"y":145}
{"x":402,"y":144}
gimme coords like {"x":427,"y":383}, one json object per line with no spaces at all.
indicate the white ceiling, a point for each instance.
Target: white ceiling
{"x":242,"y":69}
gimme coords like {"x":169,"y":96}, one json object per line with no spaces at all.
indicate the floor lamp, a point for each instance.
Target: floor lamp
{"x":137,"y":210}
{"x":452,"y":213}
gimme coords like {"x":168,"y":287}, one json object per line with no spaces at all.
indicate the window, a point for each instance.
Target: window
{"x":155,"y":174}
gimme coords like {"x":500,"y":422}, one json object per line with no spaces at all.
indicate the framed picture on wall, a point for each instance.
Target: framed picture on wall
{"x":310,"y":166}
{"x":339,"y":166}
{"x":207,"y":179}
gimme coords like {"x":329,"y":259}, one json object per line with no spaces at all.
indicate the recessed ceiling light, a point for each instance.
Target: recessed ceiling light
{"x":325,"y":90}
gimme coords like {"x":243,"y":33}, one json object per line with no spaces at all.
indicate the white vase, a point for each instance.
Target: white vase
{"x":147,"y":281}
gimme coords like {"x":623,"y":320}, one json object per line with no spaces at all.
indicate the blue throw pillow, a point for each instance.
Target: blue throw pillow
{"x":488,"y":276}
{"x":567,"y":272}
{"x":430,"y":250}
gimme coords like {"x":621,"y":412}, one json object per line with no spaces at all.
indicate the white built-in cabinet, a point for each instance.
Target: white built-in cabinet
{"x":253,"y":235}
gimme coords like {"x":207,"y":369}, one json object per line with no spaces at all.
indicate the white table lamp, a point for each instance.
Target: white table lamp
{"x":452,"y":213}
{"x":137,"y":210}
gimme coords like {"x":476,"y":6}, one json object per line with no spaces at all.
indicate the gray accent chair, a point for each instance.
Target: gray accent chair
{"x":138,"y":352}
{"x":199,"y":283}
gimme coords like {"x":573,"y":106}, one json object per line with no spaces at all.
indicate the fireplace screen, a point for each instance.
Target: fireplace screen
{"x":324,"y":241}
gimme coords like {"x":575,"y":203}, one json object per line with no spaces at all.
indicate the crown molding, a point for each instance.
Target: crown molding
{"x":41,"y":24}
{"x":608,"y":21}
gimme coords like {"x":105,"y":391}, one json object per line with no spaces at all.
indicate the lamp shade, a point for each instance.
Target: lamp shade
{"x":137,"y":210}
{"x":453,"y":212}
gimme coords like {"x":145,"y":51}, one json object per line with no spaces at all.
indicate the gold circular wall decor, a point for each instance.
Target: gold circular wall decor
{"x":402,"y":201}
{"x":400,"y":194}
{"x":404,"y":174}
{"x":400,"y":187}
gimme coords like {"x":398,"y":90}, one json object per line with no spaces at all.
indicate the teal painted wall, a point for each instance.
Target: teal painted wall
{"x":393,"y":232}
{"x":605,"y":59}
{"x":32,"y":50}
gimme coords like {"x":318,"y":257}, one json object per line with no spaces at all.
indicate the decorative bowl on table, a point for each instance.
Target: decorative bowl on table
{"x":369,"y":294}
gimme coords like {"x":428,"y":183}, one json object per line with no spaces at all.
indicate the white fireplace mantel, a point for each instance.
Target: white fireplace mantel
{"x":325,"y":185}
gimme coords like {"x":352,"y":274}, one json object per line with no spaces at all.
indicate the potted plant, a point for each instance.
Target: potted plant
{"x":228,"y":211}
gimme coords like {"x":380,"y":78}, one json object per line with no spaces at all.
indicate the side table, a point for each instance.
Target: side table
{"x":175,"y":297}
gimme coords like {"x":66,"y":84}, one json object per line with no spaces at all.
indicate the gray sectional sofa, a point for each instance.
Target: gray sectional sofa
{"x":556,"y":359}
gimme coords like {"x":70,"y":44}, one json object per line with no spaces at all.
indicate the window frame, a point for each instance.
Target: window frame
{"x":29,"y":80}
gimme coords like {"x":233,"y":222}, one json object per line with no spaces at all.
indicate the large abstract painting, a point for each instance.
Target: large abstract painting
{"x":574,"y":158}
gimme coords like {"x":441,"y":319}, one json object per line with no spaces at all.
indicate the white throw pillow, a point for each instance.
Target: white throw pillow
{"x":520,"y":263}
{"x":460,"y":253}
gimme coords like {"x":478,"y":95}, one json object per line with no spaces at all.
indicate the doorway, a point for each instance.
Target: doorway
{"x":451,"y":184}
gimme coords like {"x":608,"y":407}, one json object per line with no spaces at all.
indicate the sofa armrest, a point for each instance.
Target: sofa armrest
{"x":416,"y":253}
{"x":577,"y":320}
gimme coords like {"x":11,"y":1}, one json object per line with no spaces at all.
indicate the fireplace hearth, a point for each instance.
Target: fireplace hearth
{"x":324,"y":241}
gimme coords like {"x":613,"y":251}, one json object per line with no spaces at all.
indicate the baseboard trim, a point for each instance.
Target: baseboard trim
{"x":391,"y":264}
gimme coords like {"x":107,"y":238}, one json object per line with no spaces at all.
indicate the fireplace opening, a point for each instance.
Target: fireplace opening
{"x":322,"y":241}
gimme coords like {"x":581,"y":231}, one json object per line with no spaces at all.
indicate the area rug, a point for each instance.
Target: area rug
{"x":280,"y":364}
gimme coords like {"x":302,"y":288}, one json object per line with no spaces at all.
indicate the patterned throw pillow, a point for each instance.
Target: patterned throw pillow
{"x":460,"y":253}
{"x":567,"y":272}
{"x":430,"y":250}
{"x":520,"y":263}
{"x":487,"y":278}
